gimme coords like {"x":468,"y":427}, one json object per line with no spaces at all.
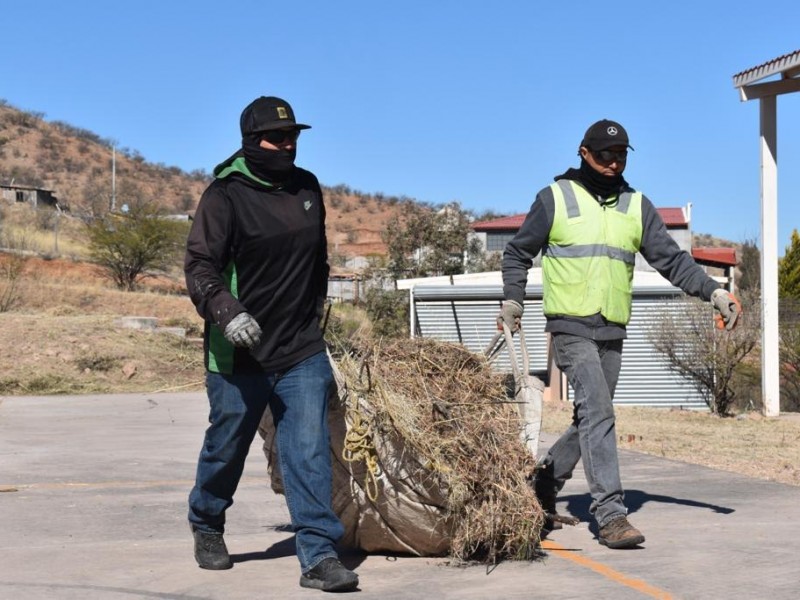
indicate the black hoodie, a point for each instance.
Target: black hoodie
{"x":262,"y":249}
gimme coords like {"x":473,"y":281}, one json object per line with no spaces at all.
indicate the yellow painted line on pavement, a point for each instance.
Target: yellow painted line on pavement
{"x":605,"y":571}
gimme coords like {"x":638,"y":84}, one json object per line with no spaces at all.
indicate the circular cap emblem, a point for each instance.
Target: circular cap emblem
{"x":611,"y":130}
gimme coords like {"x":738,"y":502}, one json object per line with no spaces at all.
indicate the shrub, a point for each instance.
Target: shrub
{"x":708,"y":357}
{"x":127,"y":247}
{"x":388,"y":312}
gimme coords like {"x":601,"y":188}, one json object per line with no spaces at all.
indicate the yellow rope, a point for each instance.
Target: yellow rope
{"x":358,"y":445}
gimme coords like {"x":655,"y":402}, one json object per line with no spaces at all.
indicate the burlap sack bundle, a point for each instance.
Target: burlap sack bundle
{"x":427,"y":453}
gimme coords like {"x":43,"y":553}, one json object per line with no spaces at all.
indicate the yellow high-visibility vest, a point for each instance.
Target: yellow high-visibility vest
{"x":588,"y":262}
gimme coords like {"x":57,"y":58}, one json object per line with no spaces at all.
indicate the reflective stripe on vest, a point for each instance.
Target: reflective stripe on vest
{"x":588,"y":262}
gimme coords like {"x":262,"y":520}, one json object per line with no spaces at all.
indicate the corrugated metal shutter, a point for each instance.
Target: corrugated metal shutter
{"x":466,"y":314}
{"x":645,"y":378}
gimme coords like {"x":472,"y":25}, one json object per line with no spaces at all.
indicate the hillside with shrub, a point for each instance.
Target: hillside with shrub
{"x":76,"y":164}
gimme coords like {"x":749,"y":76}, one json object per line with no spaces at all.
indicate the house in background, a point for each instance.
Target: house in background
{"x":496,"y":233}
{"x":32,"y":195}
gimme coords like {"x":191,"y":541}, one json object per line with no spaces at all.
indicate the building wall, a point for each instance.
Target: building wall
{"x":32,"y":196}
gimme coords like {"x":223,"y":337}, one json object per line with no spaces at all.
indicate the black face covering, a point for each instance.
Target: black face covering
{"x":274,"y":166}
{"x":599,"y":184}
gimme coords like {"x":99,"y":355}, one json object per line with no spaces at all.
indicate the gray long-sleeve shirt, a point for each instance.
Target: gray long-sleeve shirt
{"x":657,"y":247}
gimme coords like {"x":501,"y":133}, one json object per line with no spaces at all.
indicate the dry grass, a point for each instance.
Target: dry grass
{"x":461,"y":429}
{"x":90,"y":354}
{"x":42,"y":231}
{"x":750,"y":444}
{"x":62,"y":336}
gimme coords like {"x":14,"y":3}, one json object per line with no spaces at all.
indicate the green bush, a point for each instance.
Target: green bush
{"x":388,"y":311}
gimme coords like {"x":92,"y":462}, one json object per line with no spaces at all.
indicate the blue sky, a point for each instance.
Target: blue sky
{"x":470,"y":101}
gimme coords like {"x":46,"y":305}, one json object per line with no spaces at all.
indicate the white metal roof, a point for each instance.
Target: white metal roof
{"x":641,"y":279}
{"x":787,"y":67}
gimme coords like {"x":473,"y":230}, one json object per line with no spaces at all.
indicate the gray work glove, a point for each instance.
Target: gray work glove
{"x":729,"y":309}
{"x":510,"y":314}
{"x":243,"y":331}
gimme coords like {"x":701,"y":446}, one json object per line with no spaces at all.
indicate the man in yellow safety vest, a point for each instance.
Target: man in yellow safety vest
{"x":588,"y":225}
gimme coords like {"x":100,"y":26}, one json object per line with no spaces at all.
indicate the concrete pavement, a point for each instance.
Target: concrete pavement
{"x":93,"y":505}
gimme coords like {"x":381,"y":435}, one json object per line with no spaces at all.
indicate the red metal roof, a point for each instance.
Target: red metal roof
{"x":715,"y":257}
{"x":512,"y":223}
{"x":673,"y":218}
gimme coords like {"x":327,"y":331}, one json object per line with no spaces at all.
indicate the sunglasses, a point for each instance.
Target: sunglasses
{"x":609,"y":156}
{"x":278,"y":136}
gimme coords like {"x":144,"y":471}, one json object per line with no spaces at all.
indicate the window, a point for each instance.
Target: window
{"x":496,"y":242}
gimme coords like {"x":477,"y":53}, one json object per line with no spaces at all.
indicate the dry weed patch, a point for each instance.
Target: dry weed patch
{"x":91,"y":354}
{"x":750,"y":444}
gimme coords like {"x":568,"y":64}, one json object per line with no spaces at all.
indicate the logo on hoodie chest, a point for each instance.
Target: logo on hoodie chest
{"x":307,"y":204}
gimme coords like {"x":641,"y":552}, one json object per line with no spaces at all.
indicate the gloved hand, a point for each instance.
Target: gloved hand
{"x":729,"y":309}
{"x":243,"y":331}
{"x":511,"y":315}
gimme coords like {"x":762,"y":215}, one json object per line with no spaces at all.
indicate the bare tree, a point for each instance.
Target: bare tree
{"x":12,"y":268}
{"x":96,"y":198}
{"x":706,"y":356}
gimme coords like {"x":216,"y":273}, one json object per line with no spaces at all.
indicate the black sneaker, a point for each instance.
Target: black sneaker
{"x":330,"y":576}
{"x":210,"y":551}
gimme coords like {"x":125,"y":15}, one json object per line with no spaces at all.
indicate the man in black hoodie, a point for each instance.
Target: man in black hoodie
{"x":257,"y":270}
{"x":589,"y":225}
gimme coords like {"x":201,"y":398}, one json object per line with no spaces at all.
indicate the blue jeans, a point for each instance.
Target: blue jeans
{"x":592,"y":369}
{"x":298,"y":399}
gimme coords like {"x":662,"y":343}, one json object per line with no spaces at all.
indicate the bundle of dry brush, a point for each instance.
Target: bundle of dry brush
{"x":455,"y":412}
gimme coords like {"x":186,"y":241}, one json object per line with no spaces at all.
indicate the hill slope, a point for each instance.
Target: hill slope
{"x":76,"y":165}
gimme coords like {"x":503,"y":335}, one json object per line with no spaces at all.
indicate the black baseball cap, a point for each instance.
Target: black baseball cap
{"x":266,"y":113}
{"x":605,"y":134}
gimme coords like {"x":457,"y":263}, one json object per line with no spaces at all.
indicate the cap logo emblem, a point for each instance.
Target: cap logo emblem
{"x":282,"y":114}
{"x":612,"y":130}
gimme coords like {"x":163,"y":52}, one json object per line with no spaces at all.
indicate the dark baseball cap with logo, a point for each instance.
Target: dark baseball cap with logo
{"x":266,"y":113}
{"x":605,"y":134}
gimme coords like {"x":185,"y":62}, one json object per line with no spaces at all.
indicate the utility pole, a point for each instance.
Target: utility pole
{"x":113,"y":177}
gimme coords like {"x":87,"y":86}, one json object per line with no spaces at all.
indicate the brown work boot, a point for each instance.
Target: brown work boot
{"x":618,"y":533}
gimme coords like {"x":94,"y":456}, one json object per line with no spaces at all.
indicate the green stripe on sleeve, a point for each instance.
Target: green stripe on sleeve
{"x":220,"y":350}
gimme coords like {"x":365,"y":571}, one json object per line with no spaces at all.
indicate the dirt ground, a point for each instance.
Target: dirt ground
{"x":66,"y":335}
{"x":63,"y":337}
